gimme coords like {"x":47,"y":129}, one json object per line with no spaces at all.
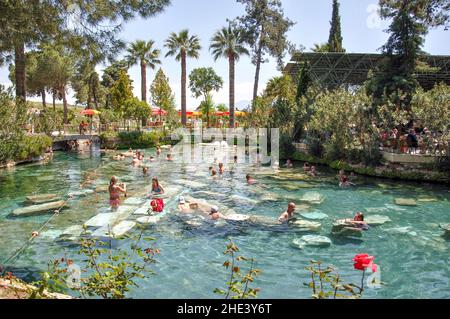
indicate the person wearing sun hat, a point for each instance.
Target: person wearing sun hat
{"x":182,"y":205}
{"x":214,"y":213}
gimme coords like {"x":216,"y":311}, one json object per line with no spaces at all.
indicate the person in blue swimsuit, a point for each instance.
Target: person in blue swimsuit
{"x":156,"y":187}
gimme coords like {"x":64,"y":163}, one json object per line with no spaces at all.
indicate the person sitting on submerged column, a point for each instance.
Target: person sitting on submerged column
{"x":358,"y":221}
{"x":156,"y":187}
{"x":114,"y":192}
{"x":221,"y":169}
{"x":288,"y":214}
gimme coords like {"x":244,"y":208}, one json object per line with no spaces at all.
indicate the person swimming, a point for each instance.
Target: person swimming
{"x":214,"y":213}
{"x":306,"y":167}
{"x":213,"y":173}
{"x":343,"y":179}
{"x":250,"y":180}
{"x":288,"y":214}
{"x":135,"y":161}
{"x":114,"y":192}
{"x":169,"y":158}
{"x":289,"y":164}
{"x":145,"y":171}
{"x":156,"y":187}
{"x":182,"y":205}
{"x":221,"y":169}
{"x":158,"y":151}
{"x":313,"y":171}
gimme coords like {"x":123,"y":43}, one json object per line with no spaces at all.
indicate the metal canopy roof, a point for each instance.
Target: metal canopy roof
{"x":335,"y":69}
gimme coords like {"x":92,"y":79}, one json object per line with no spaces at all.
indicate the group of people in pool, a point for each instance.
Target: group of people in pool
{"x":157,"y":204}
{"x":357,"y":221}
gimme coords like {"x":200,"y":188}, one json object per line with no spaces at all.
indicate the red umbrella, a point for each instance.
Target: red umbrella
{"x":158,"y":111}
{"x":89,"y":112}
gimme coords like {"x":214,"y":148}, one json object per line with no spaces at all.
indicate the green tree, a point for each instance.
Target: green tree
{"x":182,"y":46}
{"x":25,"y":23}
{"x":202,"y":81}
{"x":411,"y":21}
{"x":303,"y":113}
{"x":162,"y":96}
{"x":229,"y":43}
{"x":121,"y":92}
{"x":265,"y":30}
{"x":320,"y":48}
{"x":207,"y":107}
{"x":335,"y":38}
{"x":147,"y":56}
{"x":110,"y":76}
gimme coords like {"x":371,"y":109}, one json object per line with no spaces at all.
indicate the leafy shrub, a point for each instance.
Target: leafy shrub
{"x":32,"y":146}
{"x":138,"y":139}
{"x":286,"y":146}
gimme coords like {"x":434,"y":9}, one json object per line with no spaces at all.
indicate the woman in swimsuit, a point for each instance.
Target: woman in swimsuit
{"x":156,"y":187}
{"x":114,"y":192}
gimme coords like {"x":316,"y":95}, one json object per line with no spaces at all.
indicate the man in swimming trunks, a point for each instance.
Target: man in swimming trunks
{"x":114,"y":192}
{"x":288,"y":214}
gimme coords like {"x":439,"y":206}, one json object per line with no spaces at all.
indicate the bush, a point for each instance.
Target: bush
{"x":287,"y":149}
{"x":32,"y":146}
{"x":138,"y":139}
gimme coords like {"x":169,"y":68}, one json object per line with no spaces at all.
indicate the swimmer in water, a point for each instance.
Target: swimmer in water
{"x":214,"y":213}
{"x":343,"y":179}
{"x":250,"y":180}
{"x":114,"y":192}
{"x":158,"y":151}
{"x":221,"y":169}
{"x":145,"y":170}
{"x":306,"y":167}
{"x":135,"y":161}
{"x":213,"y":173}
{"x":169,"y":158}
{"x":289,"y":164}
{"x":313,"y":171}
{"x":288,"y":214}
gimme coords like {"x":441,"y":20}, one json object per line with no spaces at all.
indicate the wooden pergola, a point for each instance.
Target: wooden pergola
{"x":337,"y":69}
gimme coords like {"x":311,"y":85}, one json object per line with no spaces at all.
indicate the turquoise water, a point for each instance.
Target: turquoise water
{"x":411,"y":251}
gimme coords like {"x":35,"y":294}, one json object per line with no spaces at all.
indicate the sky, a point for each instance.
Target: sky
{"x":362,"y":31}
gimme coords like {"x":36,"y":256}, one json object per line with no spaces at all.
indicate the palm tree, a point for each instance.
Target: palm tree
{"x":143,"y":52}
{"x":229,"y":43}
{"x":183,"y":45}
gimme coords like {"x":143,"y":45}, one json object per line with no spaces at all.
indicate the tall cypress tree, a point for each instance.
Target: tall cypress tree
{"x":335,"y":39}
